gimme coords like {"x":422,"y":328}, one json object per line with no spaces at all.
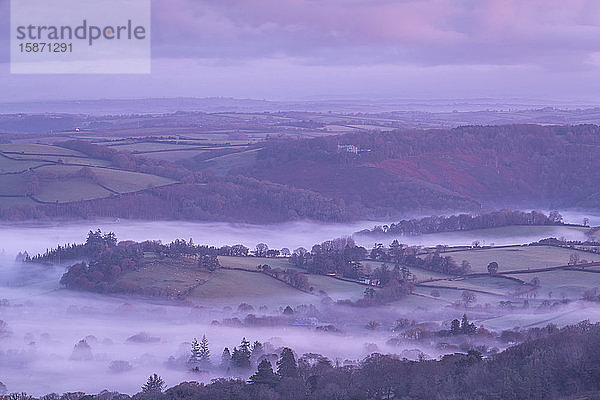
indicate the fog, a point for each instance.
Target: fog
{"x":45,"y":321}
{"x":36,"y":238}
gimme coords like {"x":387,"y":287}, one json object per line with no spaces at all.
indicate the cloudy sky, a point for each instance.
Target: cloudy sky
{"x":303,"y":49}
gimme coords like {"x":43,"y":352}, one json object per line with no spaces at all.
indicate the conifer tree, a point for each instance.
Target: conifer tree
{"x":195,"y":357}
{"x":154,"y":384}
{"x":225,"y":359}
{"x":264,"y":375}
{"x":204,"y":353}
{"x":286,"y":365}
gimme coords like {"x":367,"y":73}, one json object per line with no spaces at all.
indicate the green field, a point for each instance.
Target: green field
{"x":518,"y":257}
{"x":491,"y":284}
{"x":233,"y":287}
{"x":564,"y":283}
{"x":16,"y":201}
{"x":57,"y":169}
{"x":250,"y":263}
{"x":38,"y":149}
{"x":166,"y":275}
{"x":335,"y":288}
{"x":8,"y":165}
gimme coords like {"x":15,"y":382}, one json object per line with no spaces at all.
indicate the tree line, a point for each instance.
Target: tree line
{"x":466,"y":222}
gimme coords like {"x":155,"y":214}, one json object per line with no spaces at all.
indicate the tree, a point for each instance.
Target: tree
{"x":209,"y":262}
{"x":468,"y":297}
{"x":154,"y":384}
{"x":225,"y":359}
{"x":286,"y":365}
{"x":288,"y":311}
{"x":455,"y":327}
{"x":574,"y":259}
{"x":466,"y":327}
{"x":264,"y":375}
{"x":194,"y":360}
{"x":492,"y":268}
{"x":465,"y":266}
{"x":261,"y":250}
{"x":240,"y":358}
{"x":204,"y":353}
{"x":256,"y":352}
{"x":555,"y":217}
{"x":372,"y":325}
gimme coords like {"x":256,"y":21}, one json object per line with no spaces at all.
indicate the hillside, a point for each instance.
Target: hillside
{"x":77,"y":179}
{"x":238,"y":176}
{"x":537,"y":166}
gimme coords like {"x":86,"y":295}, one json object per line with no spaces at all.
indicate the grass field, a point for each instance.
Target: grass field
{"x":250,"y":263}
{"x":16,"y":201}
{"x":564,"y":283}
{"x":518,"y":257}
{"x":21,"y":148}
{"x":12,"y":185}
{"x":47,"y":160}
{"x":232,"y":287}
{"x":126,"y":181}
{"x":494,"y":285}
{"x":336,"y":288}
{"x":70,"y":190}
{"x":8,"y":165}
{"x":223,"y":164}
{"x":166,"y":275}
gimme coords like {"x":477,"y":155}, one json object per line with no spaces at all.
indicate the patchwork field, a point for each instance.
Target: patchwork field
{"x":37,"y":173}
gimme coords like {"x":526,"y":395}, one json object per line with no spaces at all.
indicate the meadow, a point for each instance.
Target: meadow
{"x":518,"y":257}
{"x":59,"y":178}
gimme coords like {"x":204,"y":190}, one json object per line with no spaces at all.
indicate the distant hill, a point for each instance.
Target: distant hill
{"x":530,"y":165}
{"x":330,"y":177}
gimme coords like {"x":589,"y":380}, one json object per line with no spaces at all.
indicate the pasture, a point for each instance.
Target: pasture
{"x":250,"y":263}
{"x":232,"y":287}
{"x":564,"y":283}
{"x":55,"y":171}
{"x":335,"y":288}
{"x":518,"y":257}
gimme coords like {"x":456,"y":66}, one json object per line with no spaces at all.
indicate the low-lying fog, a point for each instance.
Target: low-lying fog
{"x":44,"y":322}
{"x":38,"y":237}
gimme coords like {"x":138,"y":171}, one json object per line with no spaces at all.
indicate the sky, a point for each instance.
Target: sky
{"x":354,"y":49}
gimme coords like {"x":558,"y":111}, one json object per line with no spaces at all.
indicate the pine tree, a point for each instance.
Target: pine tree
{"x":264,"y":375}
{"x":195,"y":358}
{"x":204,"y":352}
{"x":225,"y":359}
{"x":240,"y":358}
{"x":245,"y":346}
{"x":257,"y":352}
{"x":154,"y":384}
{"x":286,"y":366}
